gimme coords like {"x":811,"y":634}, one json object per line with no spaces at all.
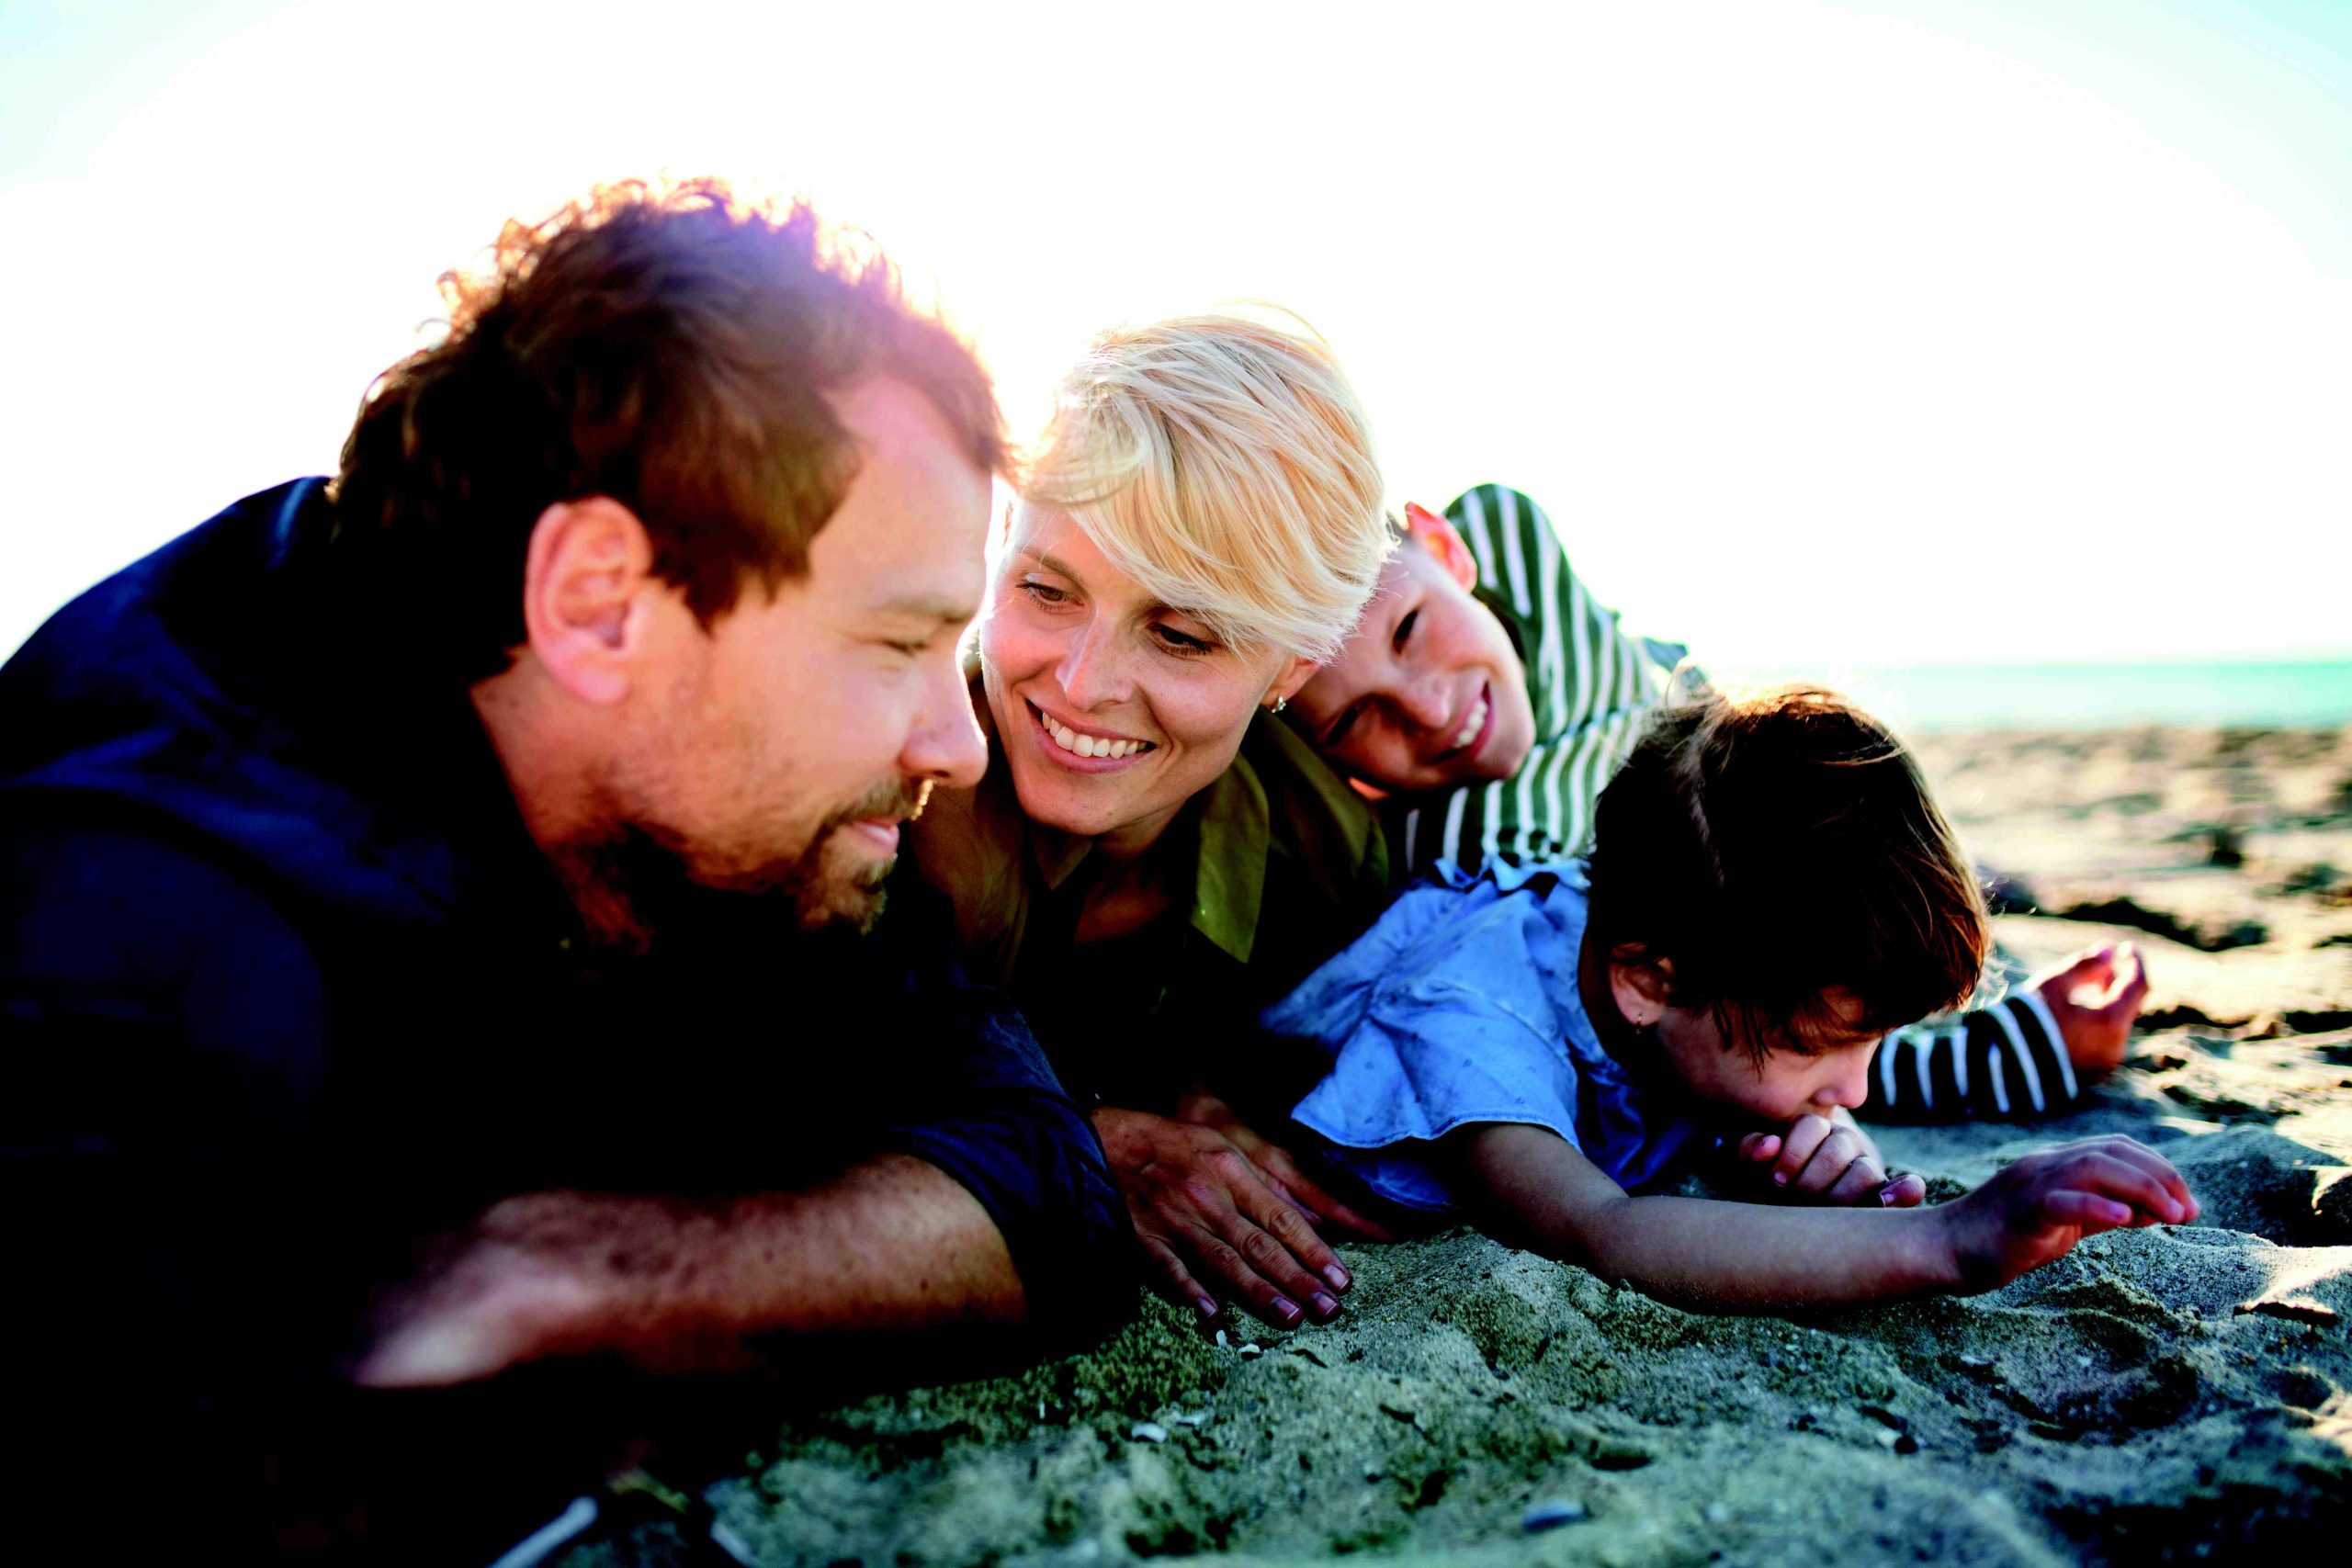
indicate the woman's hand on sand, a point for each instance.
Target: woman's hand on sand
{"x":1276,"y":1166}
{"x":2095,"y":997}
{"x":1819,"y":1160}
{"x":1202,"y":1207}
{"x":2035,"y":1210}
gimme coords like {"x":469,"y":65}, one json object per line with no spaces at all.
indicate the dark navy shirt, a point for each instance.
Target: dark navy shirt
{"x":285,"y":985}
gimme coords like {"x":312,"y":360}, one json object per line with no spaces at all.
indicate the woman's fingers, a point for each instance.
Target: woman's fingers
{"x":1283,"y":1248}
{"x":1282,"y":1172}
{"x":1205,"y":1209}
{"x":1244,"y":1265}
{"x":1281,"y":1190}
{"x":1174,"y":1279}
{"x":1319,"y":1206}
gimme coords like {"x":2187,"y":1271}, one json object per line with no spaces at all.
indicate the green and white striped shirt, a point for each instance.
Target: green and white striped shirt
{"x":1589,"y":682}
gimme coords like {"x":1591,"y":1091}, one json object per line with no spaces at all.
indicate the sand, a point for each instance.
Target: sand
{"x":2178,"y":1392}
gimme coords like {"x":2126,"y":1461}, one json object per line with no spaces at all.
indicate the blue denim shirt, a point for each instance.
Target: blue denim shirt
{"x":1460,"y":1007}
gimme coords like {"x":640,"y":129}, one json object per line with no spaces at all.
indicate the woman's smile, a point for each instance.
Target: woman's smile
{"x":1125,"y":706}
{"x":1086,"y":747}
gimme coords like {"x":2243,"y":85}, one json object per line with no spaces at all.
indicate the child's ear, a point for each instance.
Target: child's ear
{"x":1642,"y":986}
{"x":1435,"y":534}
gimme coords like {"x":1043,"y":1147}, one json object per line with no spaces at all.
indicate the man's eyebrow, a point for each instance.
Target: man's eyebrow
{"x":928,"y":607}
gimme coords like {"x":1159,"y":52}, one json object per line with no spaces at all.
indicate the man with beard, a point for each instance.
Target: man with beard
{"x":442,"y":909}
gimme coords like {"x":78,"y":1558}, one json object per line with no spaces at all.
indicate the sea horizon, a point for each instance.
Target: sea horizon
{"x":2247,"y":692}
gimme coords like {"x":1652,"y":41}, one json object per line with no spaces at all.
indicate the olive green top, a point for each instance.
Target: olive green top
{"x":1269,"y":870}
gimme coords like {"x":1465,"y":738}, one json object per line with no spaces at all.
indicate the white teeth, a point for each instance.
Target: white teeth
{"x":1475,"y":721}
{"x":1079,"y":745}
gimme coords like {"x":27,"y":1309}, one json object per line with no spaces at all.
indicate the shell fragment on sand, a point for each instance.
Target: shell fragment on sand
{"x":1551,"y":1514}
{"x":2294,"y":1309}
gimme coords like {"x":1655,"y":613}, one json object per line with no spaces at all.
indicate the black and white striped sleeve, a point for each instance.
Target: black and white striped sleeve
{"x":2006,"y":1062}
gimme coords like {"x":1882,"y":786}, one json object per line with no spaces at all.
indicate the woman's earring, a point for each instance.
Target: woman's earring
{"x":1280,"y":703}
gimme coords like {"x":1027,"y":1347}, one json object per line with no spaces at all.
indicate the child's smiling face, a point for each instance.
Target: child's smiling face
{"x":1427,"y":691}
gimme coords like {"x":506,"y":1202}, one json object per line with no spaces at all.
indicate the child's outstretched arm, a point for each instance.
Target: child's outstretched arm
{"x":1721,"y":1257}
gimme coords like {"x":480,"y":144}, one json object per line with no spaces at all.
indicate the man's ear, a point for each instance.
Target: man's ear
{"x":1435,"y":534}
{"x":1295,"y":674}
{"x":1642,"y":986}
{"x":587,"y":585}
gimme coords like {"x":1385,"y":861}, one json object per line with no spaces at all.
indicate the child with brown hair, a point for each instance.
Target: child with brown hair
{"x":1770,"y":889}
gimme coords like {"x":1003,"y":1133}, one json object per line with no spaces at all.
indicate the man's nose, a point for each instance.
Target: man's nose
{"x":946,"y":743}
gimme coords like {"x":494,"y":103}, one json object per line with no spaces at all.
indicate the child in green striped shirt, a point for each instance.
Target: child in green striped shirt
{"x":1486,"y":698}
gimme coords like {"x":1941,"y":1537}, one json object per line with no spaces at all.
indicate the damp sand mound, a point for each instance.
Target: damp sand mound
{"x":2159,"y":1395}
{"x":2176,"y":1394}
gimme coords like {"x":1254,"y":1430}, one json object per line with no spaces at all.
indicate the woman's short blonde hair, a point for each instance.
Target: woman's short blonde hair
{"x":1223,"y":463}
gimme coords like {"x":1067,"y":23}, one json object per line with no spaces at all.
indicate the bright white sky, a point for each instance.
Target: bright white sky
{"x":1885,"y":331}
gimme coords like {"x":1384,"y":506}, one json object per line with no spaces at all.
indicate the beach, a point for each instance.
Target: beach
{"x":2170,"y":1394}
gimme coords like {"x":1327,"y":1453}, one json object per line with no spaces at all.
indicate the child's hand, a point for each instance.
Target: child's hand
{"x":2036,"y":1210}
{"x":1824,"y":1161}
{"x":2095,"y":997}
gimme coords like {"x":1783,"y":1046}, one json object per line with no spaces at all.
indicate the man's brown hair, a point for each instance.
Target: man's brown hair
{"x":1773,"y":846}
{"x":671,"y":348}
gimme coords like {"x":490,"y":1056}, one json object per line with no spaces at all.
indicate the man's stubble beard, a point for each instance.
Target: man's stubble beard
{"x":650,"y":873}
{"x":820,"y":896}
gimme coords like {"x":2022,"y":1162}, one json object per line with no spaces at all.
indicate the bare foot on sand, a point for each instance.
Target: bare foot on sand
{"x":2095,"y":996}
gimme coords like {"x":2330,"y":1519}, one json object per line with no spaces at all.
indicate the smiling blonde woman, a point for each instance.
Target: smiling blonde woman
{"x":1151,"y":860}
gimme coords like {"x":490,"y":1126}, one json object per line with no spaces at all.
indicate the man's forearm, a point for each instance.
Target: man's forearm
{"x":893,"y":1246}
